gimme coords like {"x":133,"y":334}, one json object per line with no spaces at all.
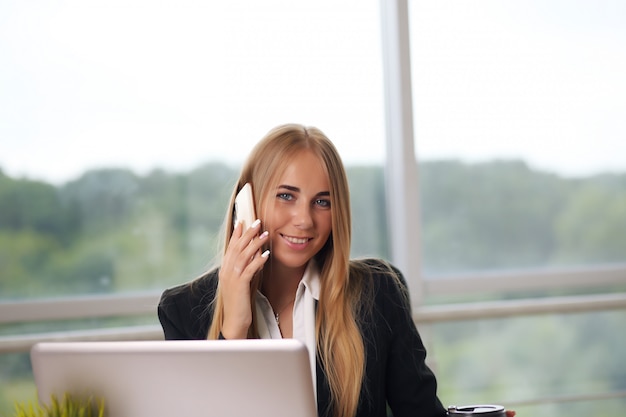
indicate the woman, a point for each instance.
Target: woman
{"x":289,"y":275}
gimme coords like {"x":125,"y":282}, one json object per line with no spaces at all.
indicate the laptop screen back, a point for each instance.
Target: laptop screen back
{"x":234,"y":378}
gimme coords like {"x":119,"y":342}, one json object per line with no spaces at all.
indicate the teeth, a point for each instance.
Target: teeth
{"x":296,"y":240}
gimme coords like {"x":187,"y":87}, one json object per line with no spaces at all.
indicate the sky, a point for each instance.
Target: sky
{"x":539,"y":79}
{"x":144,"y":84}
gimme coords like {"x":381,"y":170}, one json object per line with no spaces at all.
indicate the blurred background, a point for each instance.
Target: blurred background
{"x":123,"y":125}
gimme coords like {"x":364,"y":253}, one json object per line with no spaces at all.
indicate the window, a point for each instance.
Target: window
{"x":123,"y":126}
{"x":518,"y":117}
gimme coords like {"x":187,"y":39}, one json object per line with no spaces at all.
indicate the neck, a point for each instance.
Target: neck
{"x":280,"y":283}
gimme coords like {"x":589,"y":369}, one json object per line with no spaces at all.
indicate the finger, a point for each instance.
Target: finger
{"x":237,"y":244}
{"x":240,"y":238}
{"x":240,"y":254}
{"x":251,"y":254}
{"x":237,"y":232}
{"x":256,"y":264}
{"x":253,"y":230}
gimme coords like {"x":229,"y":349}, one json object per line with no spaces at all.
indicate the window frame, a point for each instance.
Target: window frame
{"x":403,"y":210}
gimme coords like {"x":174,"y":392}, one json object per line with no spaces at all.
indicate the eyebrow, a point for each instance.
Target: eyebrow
{"x":297,"y":190}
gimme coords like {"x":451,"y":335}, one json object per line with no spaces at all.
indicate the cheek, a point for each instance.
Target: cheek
{"x":272,"y":218}
{"x":324,"y":223}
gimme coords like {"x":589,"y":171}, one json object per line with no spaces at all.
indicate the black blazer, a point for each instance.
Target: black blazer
{"x":396,"y":373}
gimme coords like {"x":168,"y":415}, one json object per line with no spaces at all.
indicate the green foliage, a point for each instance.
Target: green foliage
{"x":532,"y":357}
{"x":592,"y":227}
{"x":112,"y":230}
{"x":34,"y":206}
{"x":369,"y":225}
{"x":491,"y":215}
{"x":68,"y":406}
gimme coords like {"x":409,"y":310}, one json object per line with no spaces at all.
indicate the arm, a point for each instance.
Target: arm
{"x":411,"y":387}
{"x":396,"y":363}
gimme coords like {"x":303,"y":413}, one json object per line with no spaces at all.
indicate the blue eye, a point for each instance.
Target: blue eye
{"x":322,"y":203}
{"x":285,"y":196}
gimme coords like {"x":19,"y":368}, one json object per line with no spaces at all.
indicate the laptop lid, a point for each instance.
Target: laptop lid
{"x":222,"y":378}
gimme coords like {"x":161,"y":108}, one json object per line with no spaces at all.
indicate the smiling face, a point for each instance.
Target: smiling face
{"x":298,"y":212}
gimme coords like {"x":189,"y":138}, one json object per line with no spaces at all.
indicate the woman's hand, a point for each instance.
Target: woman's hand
{"x":243,"y":258}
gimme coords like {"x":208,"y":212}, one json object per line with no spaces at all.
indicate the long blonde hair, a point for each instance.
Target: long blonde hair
{"x":339,"y":341}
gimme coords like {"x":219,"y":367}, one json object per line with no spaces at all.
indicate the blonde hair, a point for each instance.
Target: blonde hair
{"x":339,"y":341}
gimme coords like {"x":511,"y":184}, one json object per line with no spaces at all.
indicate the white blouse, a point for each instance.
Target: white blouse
{"x":303,"y":314}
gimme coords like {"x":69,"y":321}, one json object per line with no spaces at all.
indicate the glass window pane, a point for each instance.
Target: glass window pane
{"x":519,"y":133}
{"x":16,"y":384}
{"x":123,"y":125}
{"x":537,"y":365}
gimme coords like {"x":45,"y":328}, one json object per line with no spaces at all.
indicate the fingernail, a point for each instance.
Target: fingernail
{"x":255,"y":223}
{"x":264,"y":235}
{"x":265,"y":254}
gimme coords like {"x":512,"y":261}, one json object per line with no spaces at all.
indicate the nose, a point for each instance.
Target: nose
{"x":301,"y":215}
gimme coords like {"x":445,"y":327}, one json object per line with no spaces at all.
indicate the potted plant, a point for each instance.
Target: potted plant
{"x":68,"y":406}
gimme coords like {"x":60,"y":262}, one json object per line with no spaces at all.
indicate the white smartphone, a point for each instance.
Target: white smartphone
{"x":244,"y":207}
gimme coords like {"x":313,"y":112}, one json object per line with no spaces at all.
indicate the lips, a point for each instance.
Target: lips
{"x":296,"y":240}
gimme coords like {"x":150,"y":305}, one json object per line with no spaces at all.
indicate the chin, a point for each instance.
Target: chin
{"x":293,"y":262}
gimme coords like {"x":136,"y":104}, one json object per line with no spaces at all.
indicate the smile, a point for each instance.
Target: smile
{"x":296,"y":240}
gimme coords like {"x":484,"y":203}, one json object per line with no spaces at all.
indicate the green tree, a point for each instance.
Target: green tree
{"x":102,"y":199}
{"x":592,"y":227}
{"x":369,"y":222}
{"x":35,"y":206}
{"x":491,"y":215}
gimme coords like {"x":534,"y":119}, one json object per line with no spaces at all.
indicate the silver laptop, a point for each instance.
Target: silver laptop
{"x":234,"y":378}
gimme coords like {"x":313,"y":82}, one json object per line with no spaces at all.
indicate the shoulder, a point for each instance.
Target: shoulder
{"x":185,"y":311}
{"x":382,"y":283}
{"x":195,"y":291}
{"x":382,"y":273}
